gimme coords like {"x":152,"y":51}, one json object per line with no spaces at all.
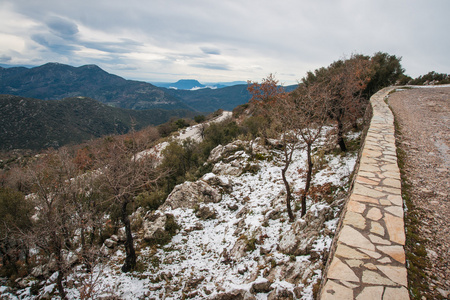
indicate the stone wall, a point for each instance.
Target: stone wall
{"x":367,"y":260}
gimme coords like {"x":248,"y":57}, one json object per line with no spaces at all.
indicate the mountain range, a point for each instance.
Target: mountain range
{"x":193,"y":84}
{"x":54,"y":81}
{"x":56,"y":104}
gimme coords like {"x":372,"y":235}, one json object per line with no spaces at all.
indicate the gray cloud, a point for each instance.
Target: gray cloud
{"x":212,"y":66}
{"x":5,"y":58}
{"x":62,"y":27}
{"x":207,"y":39}
{"x":54,"y":44}
{"x":210,"y":50}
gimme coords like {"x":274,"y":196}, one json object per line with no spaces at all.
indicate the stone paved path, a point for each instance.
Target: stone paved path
{"x":369,"y":258}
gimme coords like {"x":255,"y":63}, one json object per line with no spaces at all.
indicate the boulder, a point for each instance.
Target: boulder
{"x":280,"y":294}
{"x":190,"y":194}
{"x":153,"y":225}
{"x":214,"y":180}
{"x":205,"y":213}
{"x":263,"y":286}
{"x":304,"y":232}
{"x":235,"y":168}
{"x":110,"y":243}
{"x":234,"y":295}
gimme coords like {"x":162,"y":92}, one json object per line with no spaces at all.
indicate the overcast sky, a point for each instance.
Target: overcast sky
{"x":225,"y":40}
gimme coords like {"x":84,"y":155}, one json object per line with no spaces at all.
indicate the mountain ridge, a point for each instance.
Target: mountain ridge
{"x":58,"y":81}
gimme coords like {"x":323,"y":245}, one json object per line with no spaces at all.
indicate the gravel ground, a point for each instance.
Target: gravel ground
{"x":424,"y":118}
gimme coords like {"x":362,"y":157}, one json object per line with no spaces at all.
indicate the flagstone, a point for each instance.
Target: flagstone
{"x":333,"y":291}
{"x":352,"y":237}
{"x":377,"y":240}
{"x":392,"y":182}
{"x":370,"y":266}
{"x":371,"y":293}
{"x":373,"y":254}
{"x":395,"y":294}
{"x":396,"y":274}
{"x":349,"y":284}
{"x":395,"y":228}
{"x":363,"y":198}
{"x":385,"y":260}
{"x":339,"y":270}
{"x":396,"y":252}
{"x":354,"y":262}
{"x":389,"y":190}
{"x":377,"y":228}
{"x":374,"y":214}
{"x":396,"y":199}
{"x":369,"y":168}
{"x":355,"y":219}
{"x":395,"y":210}
{"x":363,"y":190}
{"x":385,"y":202}
{"x":375,"y":278}
{"x":347,"y":252}
{"x":361,"y":179}
{"x":356,"y":206}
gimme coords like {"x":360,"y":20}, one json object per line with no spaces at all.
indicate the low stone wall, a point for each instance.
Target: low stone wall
{"x":368,"y":257}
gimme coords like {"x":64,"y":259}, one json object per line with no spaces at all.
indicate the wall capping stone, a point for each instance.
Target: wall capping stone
{"x":367,"y":258}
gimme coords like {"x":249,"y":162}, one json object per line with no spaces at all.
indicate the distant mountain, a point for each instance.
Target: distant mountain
{"x":183,"y":84}
{"x":209,"y":100}
{"x":27,"y":123}
{"x":192,"y":84}
{"x":58,"y":81}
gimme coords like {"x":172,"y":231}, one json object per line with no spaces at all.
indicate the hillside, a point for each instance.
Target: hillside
{"x":36,"y":124}
{"x":59,"y":81}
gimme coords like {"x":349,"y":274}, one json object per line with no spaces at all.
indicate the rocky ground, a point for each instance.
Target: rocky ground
{"x":232,"y":238}
{"x":423,"y":115}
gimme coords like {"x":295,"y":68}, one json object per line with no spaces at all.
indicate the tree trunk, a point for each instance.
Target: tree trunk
{"x":59,"y":279}
{"x":340,"y":133}
{"x":288,"y":194}
{"x":130,"y":259}
{"x":60,"y":266}
{"x":308,"y":178}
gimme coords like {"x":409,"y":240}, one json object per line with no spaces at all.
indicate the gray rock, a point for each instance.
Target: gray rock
{"x":304,"y":232}
{"x":205,"y":213}
{"x":214,"y":180}
{"x":280,"y":294}
{"x":190,"y":194}
{"x":110,"y":243}
{"x":234,"y":295}
{"x":121,"y":235}
{"x":261,"y":287}
{"x":153,"y":225}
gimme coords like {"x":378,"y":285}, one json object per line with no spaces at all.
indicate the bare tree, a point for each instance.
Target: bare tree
{"x":56,"y":220}
{"x":311,"y":106}
{"x":123,"y":174}
{"x":298,"y":118}
{"x":275,"y":104}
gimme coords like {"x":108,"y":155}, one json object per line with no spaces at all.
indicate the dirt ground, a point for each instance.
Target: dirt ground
{"x":423,"y":115}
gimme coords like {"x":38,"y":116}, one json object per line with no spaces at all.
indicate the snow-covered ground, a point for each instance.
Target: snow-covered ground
{"x":198,"y":258}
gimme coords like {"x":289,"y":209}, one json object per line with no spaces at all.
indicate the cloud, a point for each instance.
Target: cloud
{"x":211,"y":66}
{"x":5,"y":58}
{"x":62,"y":27}
{"x":54,"y":43}
{"x":210,"y":50}
{"x":204,"y":38}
